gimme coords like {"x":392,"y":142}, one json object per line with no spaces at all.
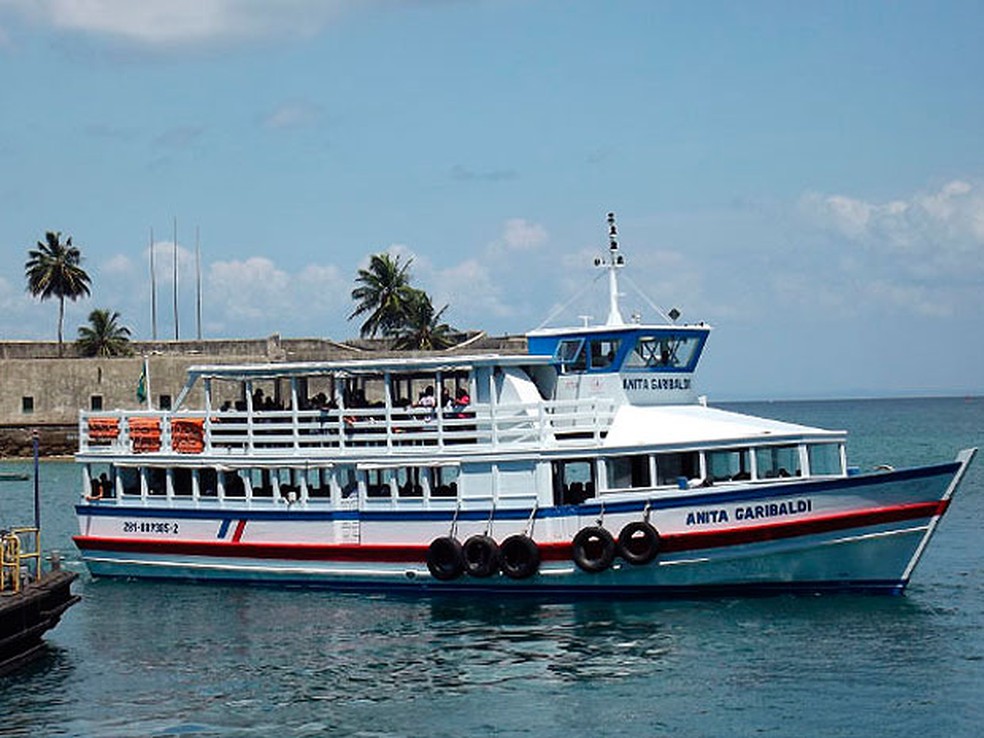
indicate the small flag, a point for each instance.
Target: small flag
{"x":142,"y":384}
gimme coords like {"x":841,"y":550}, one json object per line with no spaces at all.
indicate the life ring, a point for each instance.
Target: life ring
{"x":519,"y":557}
{"x":638,"y":543}
{"x":594,"y":549}
{"x":481,"y":554}
{"x":445,"y":560}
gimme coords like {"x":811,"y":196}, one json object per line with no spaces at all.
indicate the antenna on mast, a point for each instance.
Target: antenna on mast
{"x":612,"y":263}
{"x":153,"y":288}
{"x":177,"y":333}
{"x":198,"y":273}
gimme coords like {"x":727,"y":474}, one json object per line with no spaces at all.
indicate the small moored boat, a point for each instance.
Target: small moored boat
{"x":587,"y":464}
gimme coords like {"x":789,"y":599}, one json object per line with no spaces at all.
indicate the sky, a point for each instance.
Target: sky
{"x":808,"y":178}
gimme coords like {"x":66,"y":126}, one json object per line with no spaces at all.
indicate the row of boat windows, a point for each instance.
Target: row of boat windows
{"x":648,"y":352}
{"x":573,"y":480}
{"x":290,"y":484}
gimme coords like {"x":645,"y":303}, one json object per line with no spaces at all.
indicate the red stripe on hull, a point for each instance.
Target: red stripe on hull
{"x":365,"y":553}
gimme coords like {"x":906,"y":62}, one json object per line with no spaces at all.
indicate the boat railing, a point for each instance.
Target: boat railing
{"x":373,"y":430}
{"x":20,"y":558}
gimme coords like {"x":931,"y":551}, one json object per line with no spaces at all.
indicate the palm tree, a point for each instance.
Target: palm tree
{"x":384,"y":292}
{"x":423,"y":329}
{"x":104,"y":336}
{"x":53,"y":270}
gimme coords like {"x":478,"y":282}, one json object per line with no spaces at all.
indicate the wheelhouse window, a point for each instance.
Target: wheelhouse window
{"x":603,"y":352}
{"x":729,"y":465}
{"x":670,"y":468}
{"x":623,"y":472}
{"x":571,"y":355}
{"x":669,"y":351}
{"x":778,"y":462}
{"x":574,"y":481}
{"x":825,"y":459}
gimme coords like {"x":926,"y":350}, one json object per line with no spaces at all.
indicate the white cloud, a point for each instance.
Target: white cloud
{"x":293,"y":115}
{"x":248,"y":290}
{"x":118,"y":265}
{"x":519,"y":234}
{"x":473,"y":292}
{"x":936,"y":230}
{"x":256,"y":297}
{"x":163,"y":23}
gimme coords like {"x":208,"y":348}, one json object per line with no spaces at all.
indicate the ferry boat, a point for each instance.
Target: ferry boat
{"x":587,"y":464}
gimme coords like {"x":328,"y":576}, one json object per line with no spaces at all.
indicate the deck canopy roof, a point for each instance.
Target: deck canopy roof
{"x":686,"y":425}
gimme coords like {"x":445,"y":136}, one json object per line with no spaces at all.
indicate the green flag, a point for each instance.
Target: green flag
{"x":142,"y":384}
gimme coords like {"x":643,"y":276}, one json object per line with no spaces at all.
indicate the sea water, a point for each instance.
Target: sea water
{"x":156,"y":659}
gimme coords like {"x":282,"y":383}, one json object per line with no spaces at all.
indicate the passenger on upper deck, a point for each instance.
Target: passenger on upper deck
{"x":461,"y":402}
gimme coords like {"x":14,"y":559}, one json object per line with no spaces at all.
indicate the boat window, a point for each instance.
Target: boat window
{"x":156,"y":481}
{"x":181,"y":481}
{"x":130,"y":479}
{"x":102,"y":480}
{"x":289,"y":484}
{"x":670,"y":468}
{"x":444,"y":481}
{"x":571,"y":356}
{"x":208,"y":483}
{"x":348,"y":481}
{"x":260,"y":483}
{"x":729,"y":465}
{"x":573,"y":481}
{"x":825,"y":458}
{"x":378,"y":482}
{"x":777,"y":461}
{"x":408,"y":482}
{"x":663,"y":352}
{"x":623,"y":472}
{"x":233,"y":484}
{"x":318,"y":483}
{"x":603,"y":351}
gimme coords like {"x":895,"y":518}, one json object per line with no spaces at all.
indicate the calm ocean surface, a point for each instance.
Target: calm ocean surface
{"x":151,"y":659}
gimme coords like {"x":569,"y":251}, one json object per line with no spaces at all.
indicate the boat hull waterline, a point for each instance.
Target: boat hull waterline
{"x":859,"y":533}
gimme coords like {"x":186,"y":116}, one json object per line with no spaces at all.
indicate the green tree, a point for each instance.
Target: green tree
{"x":383,"y":292}
{"x":104,"y":336}
{"x":54,"y":269}
{"x":422,"y":329}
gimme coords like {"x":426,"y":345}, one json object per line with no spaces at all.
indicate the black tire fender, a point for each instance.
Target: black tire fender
{"x":593,"y":549}
{"x":445,"y":559}
{"x":519,"y":557}
{"x":638,"y":543}
{"x":481,"y":556}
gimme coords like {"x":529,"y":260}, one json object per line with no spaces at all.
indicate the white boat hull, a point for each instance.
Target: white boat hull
{"x":856,"y":533}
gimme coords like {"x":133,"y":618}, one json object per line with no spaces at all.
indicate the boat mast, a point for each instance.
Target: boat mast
{"x":613,"y":263}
